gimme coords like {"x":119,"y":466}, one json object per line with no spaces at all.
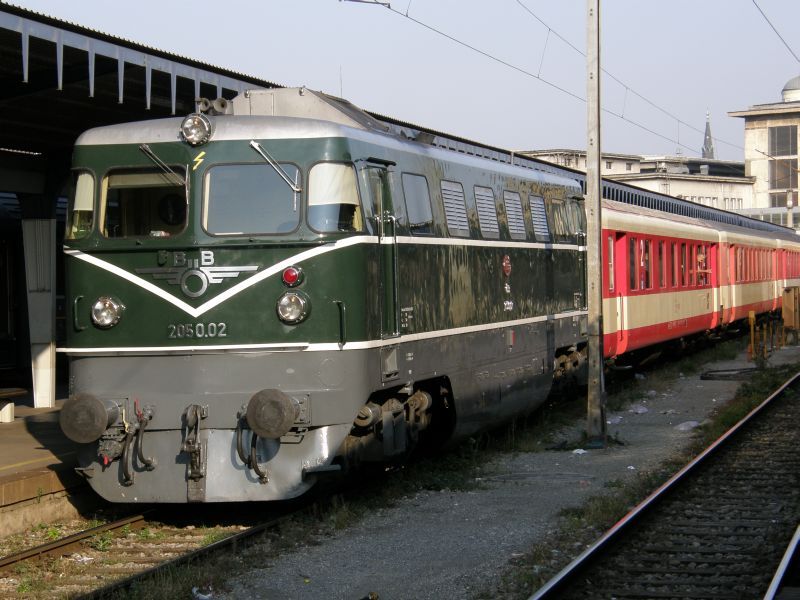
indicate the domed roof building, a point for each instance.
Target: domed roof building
{"x":791,"y":91}
{"x":771,"y":157}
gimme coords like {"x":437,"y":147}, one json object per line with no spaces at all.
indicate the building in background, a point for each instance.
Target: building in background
{"x":770,"y":153}
{"x":708,"y":181}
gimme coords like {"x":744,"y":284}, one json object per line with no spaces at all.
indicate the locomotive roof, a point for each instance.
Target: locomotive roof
{"x":246,"y":127}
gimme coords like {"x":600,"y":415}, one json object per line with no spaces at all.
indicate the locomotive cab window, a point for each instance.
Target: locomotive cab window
{"x":143,"y":203}
{"x":333,"y":203}
{"x":249,"y":198}
{"x":80,"y":215}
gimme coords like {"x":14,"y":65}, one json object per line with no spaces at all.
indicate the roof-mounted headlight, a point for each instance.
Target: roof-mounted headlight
{"x":196,"y":129}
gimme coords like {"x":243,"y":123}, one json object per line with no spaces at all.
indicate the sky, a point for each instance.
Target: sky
{"x":490,"y":70}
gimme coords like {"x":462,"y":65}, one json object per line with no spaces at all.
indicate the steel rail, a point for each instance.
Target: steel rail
{"x":184,"y":559}
{"x":67,"y":545}
{"x":781,"y":571}
{"x":550,"y":589}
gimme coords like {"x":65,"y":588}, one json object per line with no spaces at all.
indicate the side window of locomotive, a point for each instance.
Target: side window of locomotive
{"x":143,"y":202}
{"x":455,"y":209}
{"x":80,"y":214}
{"x":487,"y":212}
{"x":577,"y":216}
{"x":418,"y":204}
{"x":539,"y":216}
{"x":333,"y":203}
{"x":516,"y":220}
{"x":560,"y":218}
{"x":250,"y":199}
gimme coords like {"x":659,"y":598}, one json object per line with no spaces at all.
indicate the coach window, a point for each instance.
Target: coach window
{"x":418,"y":204}
{"x":692,"y":264}
{"x":487,"y":212}
{"x":662,"y":267}
{"x":333,"y":203}
{"x":80,"y":215}
{"x":143,"y":203}
{"x":738,"y":264}
{"x":684,"y":278}
{"x":675,"y":263}
{"x":610,"y":257}
{"x":702,"y":265}
{"x":633,"y":282}
{"x":455,"y":209}
{"x":516,"y":221}
{"x":645,"y":265}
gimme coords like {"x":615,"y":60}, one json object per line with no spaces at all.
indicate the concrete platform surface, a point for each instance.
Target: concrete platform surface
{"x":36,"y":459}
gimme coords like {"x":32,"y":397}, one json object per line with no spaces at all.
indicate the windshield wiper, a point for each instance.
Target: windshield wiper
{"x":161,"y":164}
{"x":271,"y":161}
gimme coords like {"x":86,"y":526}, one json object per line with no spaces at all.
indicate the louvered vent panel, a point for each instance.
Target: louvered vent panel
{"x":454,"y":208}
{"x":516,"y":222}
{"x":539,"y":216}
{"x":487,"y":213}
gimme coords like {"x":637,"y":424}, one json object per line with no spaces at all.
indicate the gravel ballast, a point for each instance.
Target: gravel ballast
{"x":457,"y":544}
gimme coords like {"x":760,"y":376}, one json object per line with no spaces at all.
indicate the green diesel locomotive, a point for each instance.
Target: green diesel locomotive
{"x":282,"y":285}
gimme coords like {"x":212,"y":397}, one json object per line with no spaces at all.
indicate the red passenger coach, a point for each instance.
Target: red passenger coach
{"x":668,"y":276}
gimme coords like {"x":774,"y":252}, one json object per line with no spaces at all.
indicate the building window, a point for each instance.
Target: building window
{"x":777,"y":199}
{"x":783,"y":140}
{"x":782,"y":174}
{"x":628,"y":166}
{"x":608,"y":164}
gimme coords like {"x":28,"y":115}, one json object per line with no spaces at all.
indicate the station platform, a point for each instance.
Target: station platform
{"x":37,"y":477}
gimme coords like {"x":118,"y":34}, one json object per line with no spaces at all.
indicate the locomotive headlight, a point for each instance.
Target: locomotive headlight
{"x":293,"y":307}
{"x":106,"y":312}
{"x":196,"y":129}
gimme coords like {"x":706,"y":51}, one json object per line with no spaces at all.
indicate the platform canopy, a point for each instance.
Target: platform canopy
{"x":58,"y":79}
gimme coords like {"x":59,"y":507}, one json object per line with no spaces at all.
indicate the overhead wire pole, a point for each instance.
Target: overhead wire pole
{"x":595,"y":413}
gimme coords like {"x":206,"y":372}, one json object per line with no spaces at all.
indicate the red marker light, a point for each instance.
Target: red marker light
{"x":506,"y":265}
{"x":292,"y":276}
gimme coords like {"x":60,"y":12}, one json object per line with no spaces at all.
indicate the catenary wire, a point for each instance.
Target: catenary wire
{"x":780,"y":37}
{"x":622,"y":83}
{"x":534,"y":76}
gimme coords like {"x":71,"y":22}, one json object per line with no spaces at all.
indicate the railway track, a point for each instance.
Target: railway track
{"x":718,"y":529}
{"x":94,"y":562}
